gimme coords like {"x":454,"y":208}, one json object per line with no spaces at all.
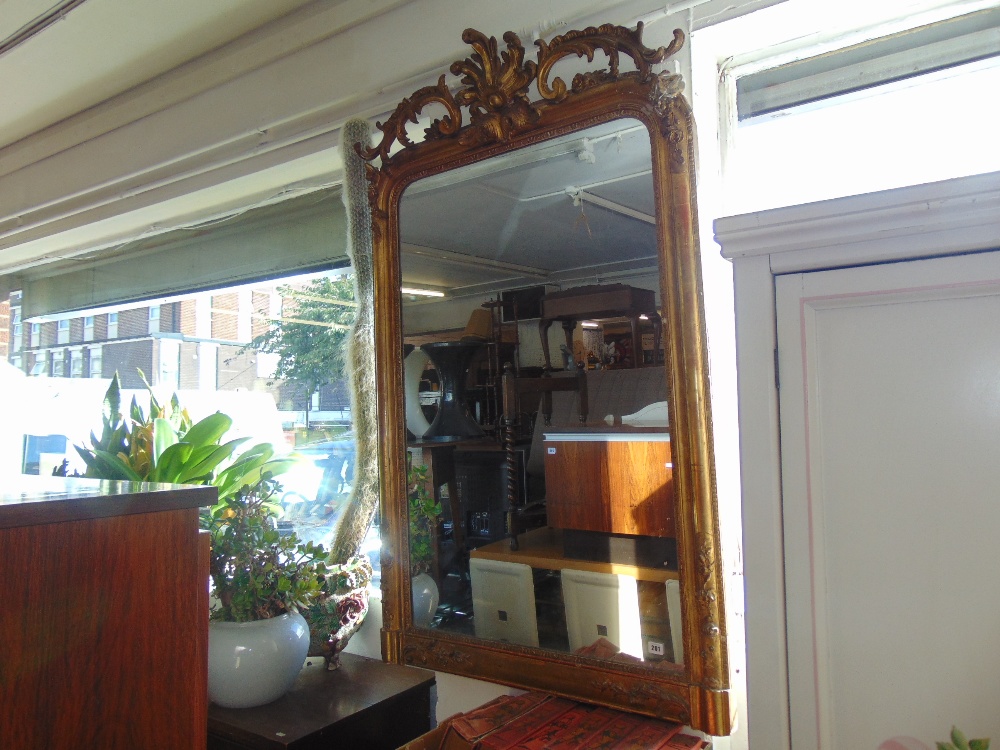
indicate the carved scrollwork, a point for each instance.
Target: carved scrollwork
{"x":708,"y":605}
{"x":610,"y":39}
{"x":497,"y":83}
{"x":437,"y":654}
{"x":644,"y":694}
{"x":407,"y":111}
{"x":666,"y":87}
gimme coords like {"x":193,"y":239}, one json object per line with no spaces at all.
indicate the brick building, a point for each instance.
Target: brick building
{"x":192,"y":343}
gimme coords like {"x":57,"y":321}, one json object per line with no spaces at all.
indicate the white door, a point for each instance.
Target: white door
{"x":890,"y":445}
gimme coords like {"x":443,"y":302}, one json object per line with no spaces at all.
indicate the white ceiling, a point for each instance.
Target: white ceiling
{"x":100,"y":48}
{"x":518,"y":219}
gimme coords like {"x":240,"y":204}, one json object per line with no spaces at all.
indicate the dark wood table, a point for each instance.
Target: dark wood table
{"x":364,"y":704}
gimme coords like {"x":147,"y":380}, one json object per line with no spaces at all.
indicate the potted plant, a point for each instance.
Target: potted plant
{"x":263,"y":580}
{"x":425,"y":513}
{"x":163,"y":444}
{"x":258,"y":638}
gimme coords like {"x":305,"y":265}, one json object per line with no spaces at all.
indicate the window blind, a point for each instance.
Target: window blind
{"x":303,"y":234}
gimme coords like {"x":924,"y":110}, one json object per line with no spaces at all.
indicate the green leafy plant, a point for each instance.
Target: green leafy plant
{"x":424,"y":515}
{"x":162,"y":444}
{"x":257,"y":573}
{"x":959,"y":742}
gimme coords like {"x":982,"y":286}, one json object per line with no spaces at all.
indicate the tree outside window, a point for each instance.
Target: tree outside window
{"x":310,"y":336}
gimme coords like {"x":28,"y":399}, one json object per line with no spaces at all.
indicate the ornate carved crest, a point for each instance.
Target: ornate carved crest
{"x":496,"y":85}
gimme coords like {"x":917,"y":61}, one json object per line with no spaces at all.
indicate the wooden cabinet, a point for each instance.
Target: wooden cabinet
{"x":616,"y":483}
{"x":105,"y":618}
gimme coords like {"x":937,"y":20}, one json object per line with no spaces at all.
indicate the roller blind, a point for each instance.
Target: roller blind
{"x":304,"y":234}
{"x":956,"y":41}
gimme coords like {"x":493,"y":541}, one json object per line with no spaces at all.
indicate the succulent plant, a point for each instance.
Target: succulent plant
{"x":257,"y":572}
{"x":959,"y":742}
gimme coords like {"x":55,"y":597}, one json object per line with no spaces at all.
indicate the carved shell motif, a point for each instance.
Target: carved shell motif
{"x":496,"y":85}
{"x":496,"y":92}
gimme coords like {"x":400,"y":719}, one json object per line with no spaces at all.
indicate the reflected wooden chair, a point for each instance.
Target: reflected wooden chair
{"x":521,"y":514}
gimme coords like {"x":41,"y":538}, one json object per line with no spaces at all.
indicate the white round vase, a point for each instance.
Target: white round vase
{"x":253,"y":663}
{"x":425,"y":599}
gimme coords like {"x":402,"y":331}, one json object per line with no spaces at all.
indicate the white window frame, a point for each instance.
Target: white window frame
{"x":58,"y":357}
{"x":154,"y":319}
{"x":99,"y":359}
{"x":62,"y":331}
{"x":88,"y":328}
{"x":112,"y":325}
{"x":170,"y":362}
{"x":16,"y":330}
{"x":793,"y":33}
{"x":36,"y":335}
{"x":76,"y":363}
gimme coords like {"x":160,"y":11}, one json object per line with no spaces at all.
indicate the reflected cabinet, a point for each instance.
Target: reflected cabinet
{"x":556,"y":486}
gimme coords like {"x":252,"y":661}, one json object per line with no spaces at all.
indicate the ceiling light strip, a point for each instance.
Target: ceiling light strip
{"x":413,"y":292}
{"x":447,"y":256}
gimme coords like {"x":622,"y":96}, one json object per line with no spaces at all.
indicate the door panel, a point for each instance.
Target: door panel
{"x":890,"y":442}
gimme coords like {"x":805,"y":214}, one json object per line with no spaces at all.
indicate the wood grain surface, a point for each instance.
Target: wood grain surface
{"x":104,"y":631}
{"x":617,"y":487}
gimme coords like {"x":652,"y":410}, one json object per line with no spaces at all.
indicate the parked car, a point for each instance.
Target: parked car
{"x":315,"y":489}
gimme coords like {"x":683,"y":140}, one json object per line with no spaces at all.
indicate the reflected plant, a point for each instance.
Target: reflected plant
{"x":424,"y":515}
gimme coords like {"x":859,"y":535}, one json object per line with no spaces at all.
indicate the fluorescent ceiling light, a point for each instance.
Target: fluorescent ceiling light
{"x":420,"y":292}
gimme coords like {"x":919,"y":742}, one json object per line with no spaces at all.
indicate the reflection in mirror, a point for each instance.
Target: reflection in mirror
{"x":539,"y":463}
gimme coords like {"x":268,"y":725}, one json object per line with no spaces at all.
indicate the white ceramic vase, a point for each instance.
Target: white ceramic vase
{"x":253,"y":663}
{"x":425,"y":599}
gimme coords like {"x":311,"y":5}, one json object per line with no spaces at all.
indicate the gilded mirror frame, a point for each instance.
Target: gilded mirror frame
{"x":502,"y":118}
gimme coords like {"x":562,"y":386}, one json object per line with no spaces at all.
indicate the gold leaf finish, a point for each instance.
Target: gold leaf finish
{"x":502,"y":117}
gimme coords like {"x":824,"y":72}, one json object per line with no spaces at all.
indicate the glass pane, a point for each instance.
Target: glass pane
{"x":877,"y":139}
{"x":274,"y":364}
{"x":492,"y":256}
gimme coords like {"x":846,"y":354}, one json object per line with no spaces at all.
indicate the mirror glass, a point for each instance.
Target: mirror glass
{"x":541,"y":263}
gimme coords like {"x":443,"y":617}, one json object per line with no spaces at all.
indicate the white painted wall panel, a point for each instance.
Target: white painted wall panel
{"x":890,"y":414}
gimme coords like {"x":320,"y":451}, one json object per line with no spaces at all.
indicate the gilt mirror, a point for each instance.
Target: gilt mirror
{"x":548,"y":505}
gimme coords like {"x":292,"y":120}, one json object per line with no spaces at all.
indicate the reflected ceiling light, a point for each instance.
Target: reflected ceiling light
{"x":421,"y":292}
{"x":590,"y":324}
